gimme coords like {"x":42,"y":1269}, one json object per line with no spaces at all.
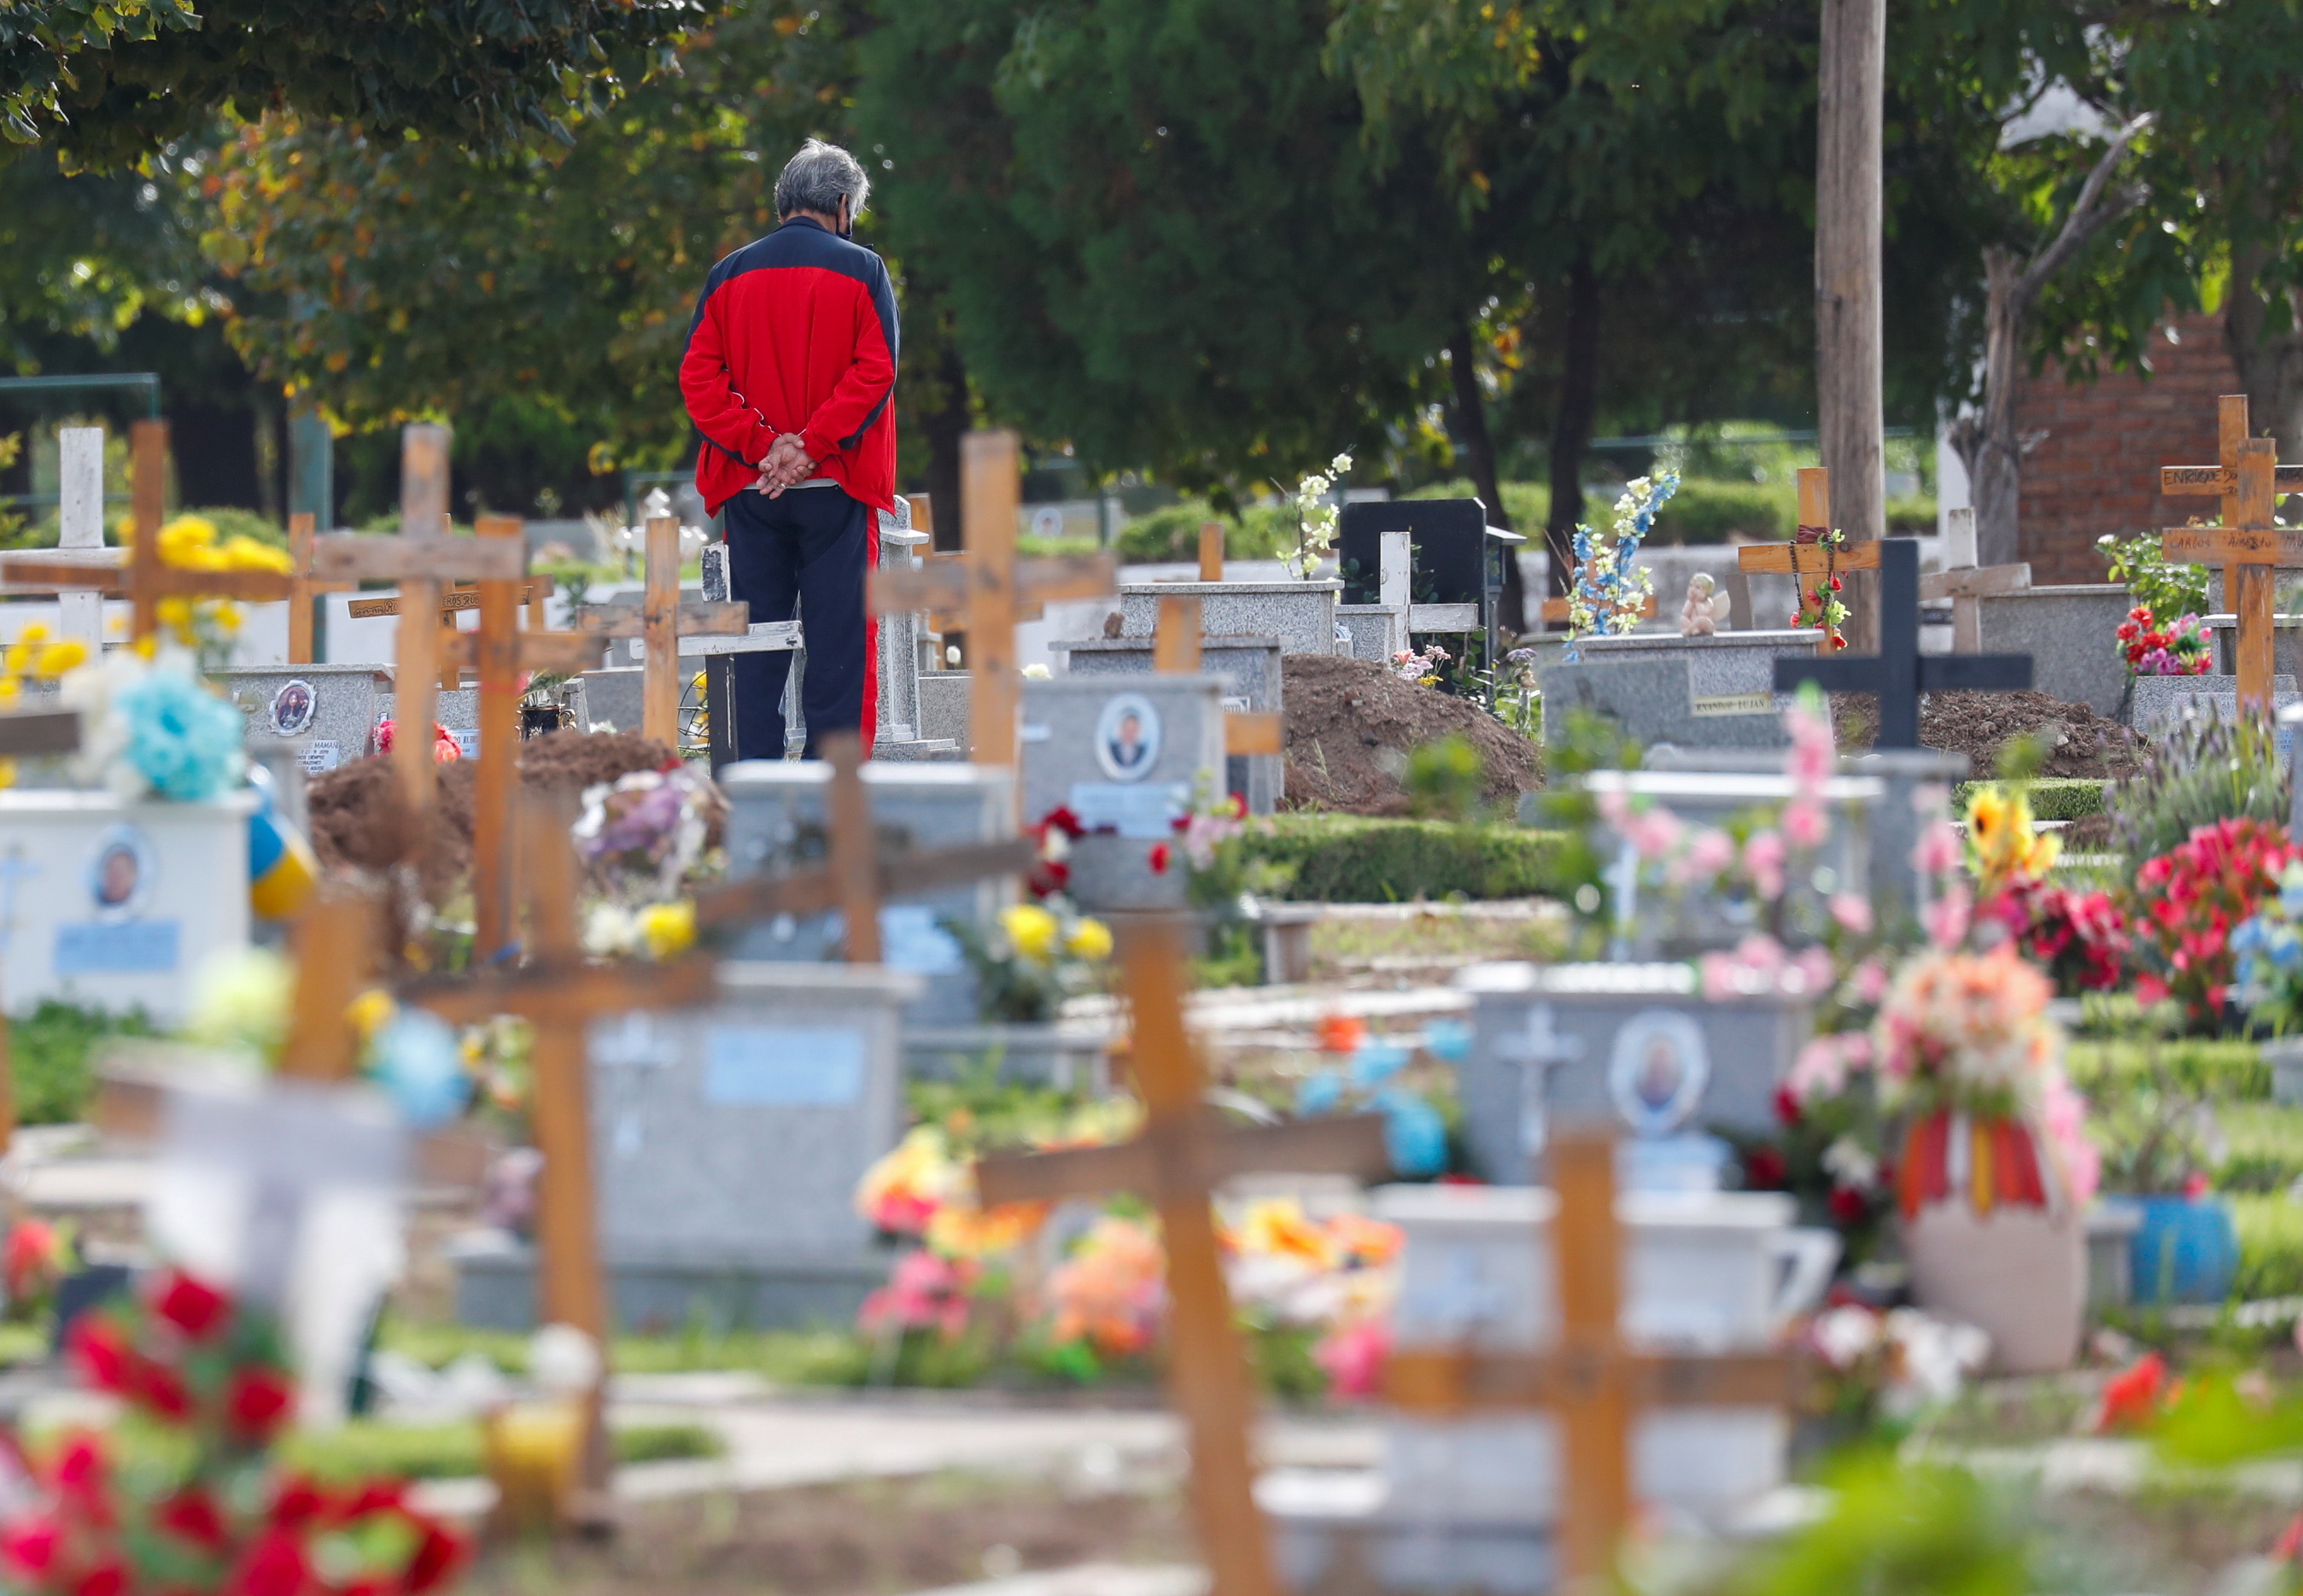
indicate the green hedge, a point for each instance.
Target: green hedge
{"x":2052,"y":797}
{"x":1346,"y":859}
{"x":1172,"y":533}
{"x":2222,"y":1070}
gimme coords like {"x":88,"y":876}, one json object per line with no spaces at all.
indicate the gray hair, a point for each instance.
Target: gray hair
{"x":819,"y":178}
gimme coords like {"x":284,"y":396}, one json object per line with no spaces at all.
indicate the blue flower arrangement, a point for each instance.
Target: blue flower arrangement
{"x":180,"y":737}
{"x":1609,"y":592}
{"x":2269,"y":947}
{"x":1415,"y":1135}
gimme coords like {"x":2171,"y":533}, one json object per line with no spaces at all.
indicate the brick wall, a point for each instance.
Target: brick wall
{"x":2096,"y":470}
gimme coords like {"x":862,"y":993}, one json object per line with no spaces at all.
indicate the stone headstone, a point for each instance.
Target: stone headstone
{"x":1656,"y":702}
{"x":943,"y":707}
{"x":1251,"y":667}
{"x":2160,"y":703}
{"x":1438,"y":557}
{"x":2068,"y":633}
{"x":614,"y":697}
{"x":1723,"y":664}
{"x":115,"y":905}
{"x":726,"y":1143}
{"x":1301,"y":614}
{"x":776,"y":824}
{"x":1644,"y":1051}
{"x":1130,"y":758}
{"x":328,"y":711}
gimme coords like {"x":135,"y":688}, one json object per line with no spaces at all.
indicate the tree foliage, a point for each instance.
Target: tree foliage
{"x":109,"y":82}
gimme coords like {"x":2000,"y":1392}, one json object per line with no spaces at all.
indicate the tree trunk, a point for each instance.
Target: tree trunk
{"x":1988,"y":447}
{"x":2270,"y":367}
{"x":1851,"y":86}
{"x":1479,"y":456}
{"x":1570,"y":429}
{"x":945,"y":425}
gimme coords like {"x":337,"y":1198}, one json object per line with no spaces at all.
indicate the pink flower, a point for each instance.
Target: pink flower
{"x":1871,"y":980}
{"x":1852,"y":913}
{"x":1938,"y":850}
{"x":1810,"y":763}
{"x":1821,"y":1071}
{"x":1352,"y":1357}
{"x":1946,"y":917}
{"x":2062,"y":1113}
{"x":1655,"y":834}
{"x":1763,"y":856}
{"x":1805,"y":823}
{"x":1711,"y":852}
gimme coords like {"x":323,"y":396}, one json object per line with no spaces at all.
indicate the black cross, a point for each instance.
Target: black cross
{"x":1899,"y":672}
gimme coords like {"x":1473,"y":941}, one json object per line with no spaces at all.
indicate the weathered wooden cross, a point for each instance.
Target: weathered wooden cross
{"x":2252,"y":544}
{"x":986,"y":585}
{"x":660,"y":619}
{"x":1176,"y":652}
{"x":1212,"y":551}
{"x":1967,"y":584}
{"x":1899,"y":673}
{"x":1592,"y":1379}
{"x":561,"y":996}
{"x":1178,"y":1162}
{"x":858,"y":875}
{"x":304,"y":588}
{"x":2222,"y":479}
{"x":419,"y":560}
{"x":1810,"y":552}
{"x":146,"y":579}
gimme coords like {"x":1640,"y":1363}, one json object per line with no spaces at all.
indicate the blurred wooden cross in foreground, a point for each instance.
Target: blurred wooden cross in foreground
{"x":987,"y":586}
{"x":1176,"y":652}
{"x":561,"y":996}
{"x":1178,"y":1162}
{"x":2251,"y":543}
{"x":1593,"y":1381}
{"x":419,"y":560}
{"x":858,"y":876}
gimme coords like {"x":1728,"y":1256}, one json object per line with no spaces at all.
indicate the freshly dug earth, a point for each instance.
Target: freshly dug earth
{"x":2080,"y":741}
{"x":355,"y":813}
{"x":1351,"y":725}
{"x":858,"y":1539}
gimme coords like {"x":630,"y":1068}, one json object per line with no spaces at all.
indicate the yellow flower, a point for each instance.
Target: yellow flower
{"x":668,"y":928}
{"x":190,"y":540}
{"x":1031,"y":929}
{"x":56,"y":658}
{"x":243,"y":553}
{"x":1091,"y":940}
{"x":963,"y":1230}
{"x":370,"y":1012}
{"x":10,"y":687}
{"x":37,"y":632}
{"x":18,"y":659}
{"x":1278,"y":1227}
{"x":7,"y":772}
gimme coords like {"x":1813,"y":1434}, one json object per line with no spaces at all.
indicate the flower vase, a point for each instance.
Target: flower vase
{"x":1994,"y":1238}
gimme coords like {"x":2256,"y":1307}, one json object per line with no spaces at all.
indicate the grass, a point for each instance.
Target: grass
{"x":1347,"y":858}
{"x":784,"y":1357}
{"x":2270,"y":1244}
{"x":364,"y":1448}
{"x":2222,"y":1070}
{"x":2052,"y":797}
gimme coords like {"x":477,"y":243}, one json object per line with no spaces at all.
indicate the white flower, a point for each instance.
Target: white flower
{"x":611,"y":930}
{"x":1843,"y":1336}
{"x":1339,"y":465}
{"x":563,"y":1361}
{"x":1035,"y":673}
{"x":1851,"y":1164}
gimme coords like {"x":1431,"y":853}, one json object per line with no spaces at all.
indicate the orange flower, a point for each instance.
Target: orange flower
{"x":1341,"y":1033}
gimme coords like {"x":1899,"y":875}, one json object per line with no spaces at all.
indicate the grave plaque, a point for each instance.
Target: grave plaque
{"x":1657,"y":703}
{"x":1130,"y":758}
{"x":727,"y":1143}
{"x":328,"y":711}
{"x":1641,"y":1049}
{"x":1251,"y":667}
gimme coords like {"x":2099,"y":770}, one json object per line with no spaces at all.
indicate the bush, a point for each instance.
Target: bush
{"x":1347,"y":858}
{"x":2229,"y":1071}
{"x":2200,"y":773}
{"x":50,"y":1052}
{"x":1711,"y":510}
{"x":2270,"y":1246}
{"x":1172,"y":533}
{"x":2052,"y":797}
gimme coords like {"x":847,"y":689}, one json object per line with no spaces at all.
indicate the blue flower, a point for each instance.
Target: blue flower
{"x":1414,"y":1134}
{"x":1318,"y":1095}
{"x":182,"y":739}
{"x":1448,"y":1039}
{"x":1376,"y":1063}
{"x":420,"y":1066}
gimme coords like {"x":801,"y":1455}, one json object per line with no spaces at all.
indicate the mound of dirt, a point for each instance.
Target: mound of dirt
{"x":2078,"y":741}
{"x":1351,"y":723}
{"x":355,"y":810}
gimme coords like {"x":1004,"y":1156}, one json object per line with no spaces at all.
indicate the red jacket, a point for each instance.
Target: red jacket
{"x":795,"y":332}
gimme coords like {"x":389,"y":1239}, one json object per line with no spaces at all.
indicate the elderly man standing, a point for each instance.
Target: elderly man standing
{"x":791,"y":377}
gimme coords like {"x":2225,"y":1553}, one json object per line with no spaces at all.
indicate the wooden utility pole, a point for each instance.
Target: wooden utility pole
{"x":1851,"y":86}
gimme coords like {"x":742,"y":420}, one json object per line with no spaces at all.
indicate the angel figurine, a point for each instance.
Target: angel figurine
{"x":1699,"y":616}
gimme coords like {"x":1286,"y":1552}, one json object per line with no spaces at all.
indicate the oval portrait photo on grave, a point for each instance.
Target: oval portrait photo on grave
{"x":292,"y":707}
{"x":1657,"y":1071}
{"x":1128,"y":737}
{"x":122,"y":872}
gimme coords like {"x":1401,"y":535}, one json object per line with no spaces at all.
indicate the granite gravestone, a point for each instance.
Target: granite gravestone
{"x":727,"y":1143}
{"x":1656,"y":702}
{"x":1251,"y":667}
{"x":1301,"y":614}
{"x":1719,"y":664}
{"x":776,"y":824}
{"x":328,"y":712}
{"x":1639,"y":1047}
{"x":2159,"y":703}
{"x":1456,"y":567}
{"x":1472,"y":1504}
{"x":1131,"y":758}
{"x":115,"y":905}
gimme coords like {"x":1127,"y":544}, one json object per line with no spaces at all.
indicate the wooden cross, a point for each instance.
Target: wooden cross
{"x":1899,"y":672}
{"x":304,"y":588}
{"x":2222,"y":479}
{"x":660,"y":619}
{"x":1809,"y":552}
{"x":1212,"y":551}
{"x":986,"y":584}
{"x":1593,"y":1381}
{"x":560,"y":996}
{"x":858,"y":876}
{"x":419,"y":560}
{"x":36,"y":731}
{"x":146,"y":579}
{"x":1178,"y":1161}
{"x":2252,"y":544}
{"x":1176,"y":652}
{"x":1967,"y":584}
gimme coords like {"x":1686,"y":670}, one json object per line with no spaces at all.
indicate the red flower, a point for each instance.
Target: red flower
{"x":1787,"y":1105}
{"x":1158,"y":858}
{"x":257,"y":1402}
{"x":162,"y":1389}
{"x":1766,"y":1169}
{"x":1836,"y":584}
{"x":192,"y":1514}
{"x":29,"y":1545}
{"x":275,"y":1566}
{"x":377,"y":1496}
{"x":435,"y":1560}
{"x":107,"y":1579}
{"x":81,"y":1467}
{"x":2132,"y":1397}
{"x":299,"y":1503}
{"x":1848,"y":1205}
{"x":97,"y":1346}
{"x":192,"y":1306}
{"x":1061,"y":819}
